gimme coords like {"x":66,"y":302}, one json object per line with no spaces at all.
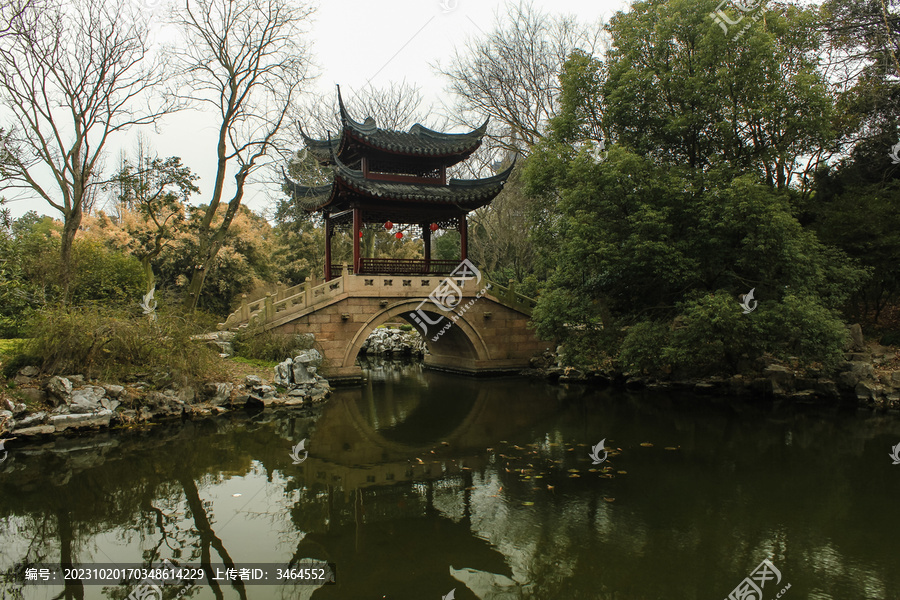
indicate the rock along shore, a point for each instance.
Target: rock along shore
{"x":868,"y":377}
{"x":72,"y":403}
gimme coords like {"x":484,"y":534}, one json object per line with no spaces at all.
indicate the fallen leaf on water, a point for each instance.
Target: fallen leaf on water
{"x":610,"y":499}
{"x":490,"y":449}
{"x":582,"y":444}
{"x":671,"y":448}
{"x":646,"y":444}
{"x":622,"y":472}
{"x":592,"y":470}
{"x":421,"y":462}
{"x":574,"y":471}
{"x":574,"y":475}
{"x":445,"y":443}
{"x":503,"y":442}
{"x":528,"y":504}
{"x":551,"y":488}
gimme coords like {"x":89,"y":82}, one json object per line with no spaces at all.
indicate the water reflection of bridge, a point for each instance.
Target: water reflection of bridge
{"x":411,"y":434}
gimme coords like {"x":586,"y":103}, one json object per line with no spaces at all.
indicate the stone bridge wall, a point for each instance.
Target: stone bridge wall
{"x":490,"y":336}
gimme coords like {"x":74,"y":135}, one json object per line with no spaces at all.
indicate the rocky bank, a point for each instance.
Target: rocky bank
{"x":57,"y":404}
{"x":869,"y":376}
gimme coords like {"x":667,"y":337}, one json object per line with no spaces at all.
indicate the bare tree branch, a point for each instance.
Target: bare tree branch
{"x":72,"y":74}
{"x":247,"y":59}
{"x":512,"y":75}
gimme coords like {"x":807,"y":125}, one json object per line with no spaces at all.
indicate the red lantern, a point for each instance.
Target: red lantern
{"x":360,"y":234}
{"x":398,"y":235}
{"x":388,"y":225}
{"x":435,"y":226}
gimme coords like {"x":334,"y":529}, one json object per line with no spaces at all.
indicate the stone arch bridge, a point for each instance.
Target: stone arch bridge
{"x":489,"y":333}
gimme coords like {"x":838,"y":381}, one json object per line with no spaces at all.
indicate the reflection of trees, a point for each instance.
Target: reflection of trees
{"x":135,"y":484}
{"x":683,"y":523}
{"x":208,"y":537}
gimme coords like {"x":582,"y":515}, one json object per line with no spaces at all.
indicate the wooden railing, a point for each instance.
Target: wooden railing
{"x":400,"y":266}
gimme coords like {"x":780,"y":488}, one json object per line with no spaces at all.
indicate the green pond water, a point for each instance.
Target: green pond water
{"x":427,"y":486}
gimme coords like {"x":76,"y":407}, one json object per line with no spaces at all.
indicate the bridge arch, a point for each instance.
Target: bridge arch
{"x":462,"y":340}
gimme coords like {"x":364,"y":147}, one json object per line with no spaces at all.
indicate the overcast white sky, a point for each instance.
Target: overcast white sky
{"x":353,"y":42}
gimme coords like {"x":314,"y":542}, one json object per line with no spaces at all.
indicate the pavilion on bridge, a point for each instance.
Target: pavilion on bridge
{"x":391,"y":179}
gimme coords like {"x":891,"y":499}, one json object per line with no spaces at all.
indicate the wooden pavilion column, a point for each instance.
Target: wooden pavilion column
{"x":357,"y":227}
{"x":463,"y":238}
{"x":329,"y":230}
{"x":426,"y":237}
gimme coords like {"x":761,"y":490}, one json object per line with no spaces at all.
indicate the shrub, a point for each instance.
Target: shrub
{"x":104,"y":275}
{"x":111,"y":344}
{"x":713,"y":335}
{"x":800,"y":326}
{"x":264,"y":345}
{"x":643,"y":346}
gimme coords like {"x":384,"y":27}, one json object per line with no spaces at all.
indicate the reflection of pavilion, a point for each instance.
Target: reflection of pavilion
{"x":405,"y":558}
{"x":415,"y":435}
{"x":384,"y":513}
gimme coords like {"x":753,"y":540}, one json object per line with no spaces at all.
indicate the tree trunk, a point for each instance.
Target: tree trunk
{"x":71,"y":223}
{"x":210,"y":245}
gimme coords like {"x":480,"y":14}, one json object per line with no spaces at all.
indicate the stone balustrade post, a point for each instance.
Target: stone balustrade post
{"x":245,"y":309}
{"x":269,"y":304}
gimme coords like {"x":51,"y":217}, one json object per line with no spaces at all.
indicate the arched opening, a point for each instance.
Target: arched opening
{"x":453,"y":348}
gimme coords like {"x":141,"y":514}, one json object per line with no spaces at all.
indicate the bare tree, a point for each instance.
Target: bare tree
{"x":246,"y":60}
{"x":512,"y":75}
{"x":72,"y":74}
{"x":397,"y":107}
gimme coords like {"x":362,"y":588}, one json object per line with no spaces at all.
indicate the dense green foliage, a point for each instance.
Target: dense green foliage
{"x":696,"y":202}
